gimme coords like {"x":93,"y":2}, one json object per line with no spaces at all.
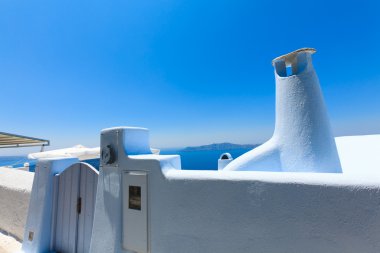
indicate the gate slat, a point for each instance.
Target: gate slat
{"x":89,"y":180}
{"x":59,"y":217}
{"x":82,"y":193}
{"x":73,"y":215}
{"x":93,"y":180}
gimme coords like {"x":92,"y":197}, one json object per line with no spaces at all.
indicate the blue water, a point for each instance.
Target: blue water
{"x":202,"y":160}
{"x":190,"y":160}
{"x":14,"y":161}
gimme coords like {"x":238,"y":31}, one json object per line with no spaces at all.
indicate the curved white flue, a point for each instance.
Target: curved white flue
{"x":302,"y":140}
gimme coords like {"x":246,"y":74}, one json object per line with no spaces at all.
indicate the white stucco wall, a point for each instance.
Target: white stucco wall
{"x":200,"y":211}
{"x":273,"y":211}
{"x":228,"y":211}
{"x":360,"y":155}
{"x":15,"y":188}
{"x":264,"y":212}
{"x":239,"y":211}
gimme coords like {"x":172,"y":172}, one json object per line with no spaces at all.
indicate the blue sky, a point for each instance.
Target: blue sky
{"x":193,"y":72}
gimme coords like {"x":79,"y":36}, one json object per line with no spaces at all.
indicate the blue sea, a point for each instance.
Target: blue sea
{"x":190,"y":160}
{"x":14,"y":161}
{"x":203,"y":159}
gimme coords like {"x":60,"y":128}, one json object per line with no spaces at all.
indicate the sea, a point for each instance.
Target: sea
{"x":190,"y":160}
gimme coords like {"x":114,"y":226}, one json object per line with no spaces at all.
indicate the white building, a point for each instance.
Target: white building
{"x":300,"y":192}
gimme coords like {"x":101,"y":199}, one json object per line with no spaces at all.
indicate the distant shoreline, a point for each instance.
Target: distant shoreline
{"x":220,"y":146}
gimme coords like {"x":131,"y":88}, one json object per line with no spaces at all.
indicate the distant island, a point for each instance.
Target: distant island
{"x":220,"y":146}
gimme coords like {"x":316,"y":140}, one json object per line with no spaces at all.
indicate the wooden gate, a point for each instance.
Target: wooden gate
{"x":73,"y":211}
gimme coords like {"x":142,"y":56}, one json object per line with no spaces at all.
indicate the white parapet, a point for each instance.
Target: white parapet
{"x":15,"y":188}
{"x":302,"y":139}
{"x":145,"y":203}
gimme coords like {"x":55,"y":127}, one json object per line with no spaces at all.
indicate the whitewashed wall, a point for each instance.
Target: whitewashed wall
{"x":200,"y":211}
{"x":238,"y":211}
{"x":15,"y":188}
{"x":264,"y":212}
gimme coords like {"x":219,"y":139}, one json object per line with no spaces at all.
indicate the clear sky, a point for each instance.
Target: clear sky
{"x":193,"y":72}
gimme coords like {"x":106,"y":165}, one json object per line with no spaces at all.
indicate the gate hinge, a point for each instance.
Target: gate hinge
{"x":79,"y":205}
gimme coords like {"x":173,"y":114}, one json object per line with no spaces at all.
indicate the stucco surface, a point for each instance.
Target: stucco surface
{"x":360,"y":155}
{"x":240,"y":211}
{"x":302,"y":140}
{"x":234,"y":211}
{"x":15,"y":188}
{"x":9,"y":244}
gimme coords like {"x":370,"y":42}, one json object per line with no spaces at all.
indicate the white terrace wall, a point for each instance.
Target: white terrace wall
{"x":253,"y":212}
{"x":15,"y":188}
{"x":237,"y":211}
{"x":248,"y":212}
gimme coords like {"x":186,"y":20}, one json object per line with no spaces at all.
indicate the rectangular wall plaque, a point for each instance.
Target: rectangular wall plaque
{"x":134,"y":201}
{"x":135,"y":211}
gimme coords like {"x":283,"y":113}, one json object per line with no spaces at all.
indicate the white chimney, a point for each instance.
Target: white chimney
{"x":302,"y":139}
{"x":224,"y":160}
